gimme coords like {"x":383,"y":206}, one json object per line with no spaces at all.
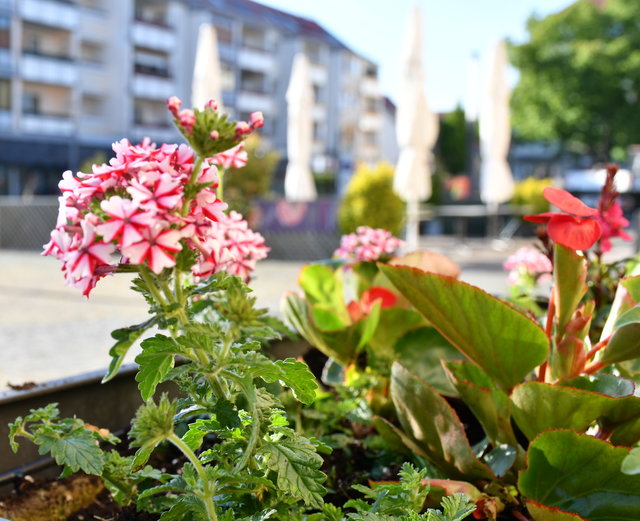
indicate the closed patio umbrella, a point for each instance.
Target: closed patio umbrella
{"x":298,"y":182}
{"x":206,"y":71}
{"x":417,"y":130}
{"x":496,"y":181}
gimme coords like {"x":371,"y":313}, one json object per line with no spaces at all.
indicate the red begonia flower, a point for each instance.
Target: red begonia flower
{"x":358,"y":310}
{"x":577,"y":229}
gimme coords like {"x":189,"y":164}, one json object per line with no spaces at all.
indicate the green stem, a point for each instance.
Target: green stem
{"x":194,"y":175}
{"x":145,"y":274}
{"x":254,"y":437}
{"x":220,"y":183}
{"x":207,"y":495}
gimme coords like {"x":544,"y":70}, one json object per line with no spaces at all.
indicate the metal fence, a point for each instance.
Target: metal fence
{"x":25,"y":224}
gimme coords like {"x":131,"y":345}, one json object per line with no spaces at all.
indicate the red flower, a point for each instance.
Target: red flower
{"x":358,"y":310}
{"x":577,"y":229}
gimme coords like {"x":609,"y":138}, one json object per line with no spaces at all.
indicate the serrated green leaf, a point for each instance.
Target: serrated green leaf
{"x":505,"y":343}
{"x":125,"y":338}
{"x":186,"y":508}
{"x":155,"y":361}
{"x":580,"y":474}
{"x":297,"y":465}
{"x":76,"y":450}
{"x":226,"y":414}
{"x":297,"y":376}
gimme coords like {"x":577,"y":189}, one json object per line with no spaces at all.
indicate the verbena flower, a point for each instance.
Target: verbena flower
{"x":528,"y":262}
{"x":137,"y":205}
{"x":367,"y":244}
{"x":578,"y":228}
{"x":610,"y":212}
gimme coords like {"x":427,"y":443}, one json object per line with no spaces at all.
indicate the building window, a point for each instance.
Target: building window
{"x":224,"y":30}
{"x":92,"y":106}
{"x":5,"y":32}
{"x":313,"y":52}
{"x":30,"y":103}
{"x":252,"y":81}
{"x":91,"y":52}
{"x":254,"y":37}
{"x":5,"y":94}
{"x":151,"y":62}
{"x":227,"y":77}
{"x":151,"y":12}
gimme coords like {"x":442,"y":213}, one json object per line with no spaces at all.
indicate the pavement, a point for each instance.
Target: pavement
{"x":50,"y":331}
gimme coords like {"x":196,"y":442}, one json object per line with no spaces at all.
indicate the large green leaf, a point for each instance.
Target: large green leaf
{"x":504,"y":342}
{"x":423,"y":350}
{"x":429,"y":420}
{"x":632,"y":285}
{"x":490,"y":405}
{"x":580,"y":474}
{"x":569,"y":283}
{"x":394,"y":323}
{"x":323,"y":286}
{"x":625,"y":342}
{"x":539,"y":406}
{"x":341,"y":344}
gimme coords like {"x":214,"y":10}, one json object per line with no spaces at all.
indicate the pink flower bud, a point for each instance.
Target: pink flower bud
{"x":211,"y":104}
{"x":214,"y":134}
{"x":256,"y":120}
{"x":242,"y":128}
{"x":174,"y":104}
{"x":187,"y":119}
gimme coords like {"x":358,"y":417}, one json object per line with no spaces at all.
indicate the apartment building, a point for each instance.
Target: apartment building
{"x":75,"y":75}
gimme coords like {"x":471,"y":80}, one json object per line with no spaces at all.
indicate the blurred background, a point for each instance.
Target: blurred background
{"x":441,"y":121}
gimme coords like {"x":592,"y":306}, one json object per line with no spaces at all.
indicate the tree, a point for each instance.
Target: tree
{"x":452,"y":142}
{"x":580,"y":77}
{"x":241,"y":185}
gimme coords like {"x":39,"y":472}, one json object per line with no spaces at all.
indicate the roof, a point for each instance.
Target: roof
{"x":265,"y":15}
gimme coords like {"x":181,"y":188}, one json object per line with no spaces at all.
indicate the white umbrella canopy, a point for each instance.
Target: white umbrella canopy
{"x":416,"y":130}
{"x":496,"y":181}
{"x":298,"y":181}
{"x":206,"y":83}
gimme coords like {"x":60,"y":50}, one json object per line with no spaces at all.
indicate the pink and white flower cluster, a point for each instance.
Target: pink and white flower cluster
{"x":528,"y":262}
{"x":136,"y":206}
{"x":231,"y":246}
{"x":367,"y":244}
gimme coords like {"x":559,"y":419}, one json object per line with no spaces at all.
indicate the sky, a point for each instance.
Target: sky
{"x":452,"y":31}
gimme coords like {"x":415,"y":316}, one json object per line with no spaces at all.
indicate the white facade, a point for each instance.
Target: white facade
{"x":75,"y":75}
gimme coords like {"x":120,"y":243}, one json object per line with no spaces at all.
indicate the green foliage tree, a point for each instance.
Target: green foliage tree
{"x":370,"y":201}
{"x":241,"y":185}
{"x":580,"y":77}
{"x":452,"y":145}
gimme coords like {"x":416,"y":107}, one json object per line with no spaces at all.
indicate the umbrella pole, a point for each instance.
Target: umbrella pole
{"x":412,"y":232}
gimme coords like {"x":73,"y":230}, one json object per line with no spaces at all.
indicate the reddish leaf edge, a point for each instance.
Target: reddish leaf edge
{"x":542,"y":506}
{"x":455,"y":415}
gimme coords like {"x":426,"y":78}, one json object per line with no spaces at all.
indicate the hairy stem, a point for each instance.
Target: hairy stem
{"x":254,"y":437}
{"x":147,"y":277}
{"x":208,"y":492}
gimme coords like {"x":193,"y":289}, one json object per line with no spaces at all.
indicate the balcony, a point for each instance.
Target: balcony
{"x":49,"y":69}
{"x":318,"y":74}
{"x":50,"y":12}
{"x":157,"y":132}
{"x":92,"y":26}
{"x":6,"y":65}
{"x":370,"y":122}
{"x":5,"y":120}
{"x":49,"y":124}
{"x":94,"y":79}
{"x":248,"y":101}
{"x":370,"y":87}
{"x":153,"y":36}
{"x":152,"y":87}
{"x":255,"y":60}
